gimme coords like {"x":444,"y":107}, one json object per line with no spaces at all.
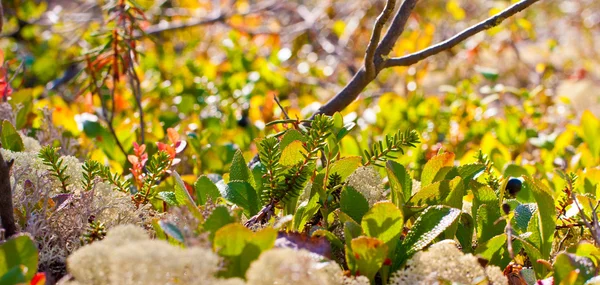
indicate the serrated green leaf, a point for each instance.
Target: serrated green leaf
{"x":482,"y":194}
{"x":16,"y":252}
{"x":430,"y":224}
{"x":239,"y":169}
{"x":218,"y":218}
{"x":206,"y":189}
{"x":400,"y":182}
{"x":369,"y":254}
{"x":242,"y":194}
{"x":468,"y":171}
{"x":523,"y":214}
{"x":546,"y":212}
{"x":487,"y":228}
{"x":168,"y":197}
{"x":10,"y":139}
{"x":464,"y":233}
{"x":385,"y":222}
{"x":436,"y":168}
{"x":353,"y":203}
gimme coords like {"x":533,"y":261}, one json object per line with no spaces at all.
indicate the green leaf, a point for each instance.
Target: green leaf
{"x":468,"y":171}
{"x":240,"y":246}
{"x":239,"y":169}
{"x":16,"y":252}
{"x":305,"y":212}
{"x":10,"y":139}
{"x":590,"y":130}
{"x":400,"y":182}
{"x":345,"y":166}
{"x":292,"y":154}
{"x":523,"y":214}
{"x":206,"y":189}
{"x":487,"y":228}
{"x":546,"y":212}
{"x":242,"y":194}
{"x":436,"y":168}
{"x":565,"y":263}
{"x":353,"y":203}
{"x":493,"y":249}
{"x":385,"y":222}
{"x":464,"y":233}
{"x":333,"y":239}
{"x":183,"y":197}
{"x":172,"y":230}
{"x":14,"y":276}
{"x":218,"y":218}
{"x":533,"y":254}
{"x":290,"y":136}
{"x":514,"y":170}
{"x":482,"y":194}
{"x":430,"y":224}
{"x":369,"y":255}
{"x":168,"y":197}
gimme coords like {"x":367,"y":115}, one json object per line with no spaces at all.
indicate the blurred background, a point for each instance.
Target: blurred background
{"x":211,"y":69}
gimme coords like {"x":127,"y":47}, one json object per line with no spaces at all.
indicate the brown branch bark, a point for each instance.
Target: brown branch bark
{"x":361,"y":79}
{"x":6,"y":204}
{"x":460,"y":37}
{"x":375,"y":36}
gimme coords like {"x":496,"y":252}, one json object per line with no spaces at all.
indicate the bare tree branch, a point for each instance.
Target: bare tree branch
{"x":393,"y":33}
{"x":360,"y":80}
{"x":460,"y":37}
{"x":375,"y":36}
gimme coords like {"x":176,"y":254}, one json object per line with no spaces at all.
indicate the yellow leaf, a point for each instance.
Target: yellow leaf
{"x":292,"y":153}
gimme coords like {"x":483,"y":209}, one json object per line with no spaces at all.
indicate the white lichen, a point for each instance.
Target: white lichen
{"x":367,"y":181}
{"x":288,"y":266}
{"x":444,"y":262}
{"x":127,"y":256}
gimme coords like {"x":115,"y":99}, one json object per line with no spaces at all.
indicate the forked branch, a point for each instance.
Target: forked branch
{"x":460,"y":37}
{"x":380,"y":58}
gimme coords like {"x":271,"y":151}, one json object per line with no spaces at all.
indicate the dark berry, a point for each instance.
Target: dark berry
{"x":506,"y":208}
{"x":513,"y":186}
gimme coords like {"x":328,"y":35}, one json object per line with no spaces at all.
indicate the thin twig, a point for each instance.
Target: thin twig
{"x":375,"y":36}
{"x":460,"y":37}
{"x":221,"y":17}
{"x":285,"y":114}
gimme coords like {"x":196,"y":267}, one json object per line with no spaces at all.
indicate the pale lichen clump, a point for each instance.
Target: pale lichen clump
{"x":444,"y":262}
{"x":128,"y":256}
{"x":288,"y":266}
{"x":367,"y":181}
{"x":356,"y":280}
{"x":58,"y":218}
